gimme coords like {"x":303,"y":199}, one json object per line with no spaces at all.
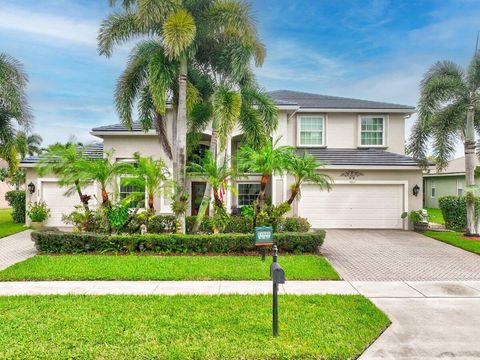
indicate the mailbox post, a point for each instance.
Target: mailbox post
{"x":278,"y":277}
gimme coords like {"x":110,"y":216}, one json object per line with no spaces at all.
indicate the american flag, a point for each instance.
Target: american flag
{"x":221,"y":192}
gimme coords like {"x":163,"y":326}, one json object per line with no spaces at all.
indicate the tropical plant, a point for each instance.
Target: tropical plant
{"x":217,"y":175}
{"x":14,"y":108}
{"x":186,"y":31}
{"x":149,"y":174}
{"x":61,"y":160}
{"x":38,"y":211}
{"x":28,"y":144}
{"x":15,"y":178}
{"x":448,"y":112}
{"x":267,"y":160}
{"x":304,"y":168}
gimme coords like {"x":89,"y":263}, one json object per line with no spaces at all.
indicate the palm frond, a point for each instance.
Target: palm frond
{"x":161,"y":130}
{"x":154,"y":12}
{"x":226,"y":104}
{"x":265,"y":106}
{"x":473,"y":74}
{"x":162,"y":74}
{"x":178,"y":33}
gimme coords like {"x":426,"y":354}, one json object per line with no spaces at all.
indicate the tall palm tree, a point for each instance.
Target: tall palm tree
{"x":14,"y":108}
{"x":28,"y":144}
{"x":267,"y":160}
{"x":182,"y":28}
{"x":304,"y":168}
{"x":61,"y":160}
{"x":448,"y":112}
{"x":148,"y":174}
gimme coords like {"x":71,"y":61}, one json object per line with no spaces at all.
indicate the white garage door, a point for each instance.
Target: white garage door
{"x":355,"y":206}
{"x":59,"y":204}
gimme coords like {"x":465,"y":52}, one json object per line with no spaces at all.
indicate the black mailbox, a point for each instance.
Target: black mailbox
{"x":277,"y":273}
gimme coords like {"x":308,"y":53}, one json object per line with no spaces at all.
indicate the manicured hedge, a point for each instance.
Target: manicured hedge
{"x":16,"y":199}
{"x":454,"y":211}
{"x":61,"y":242}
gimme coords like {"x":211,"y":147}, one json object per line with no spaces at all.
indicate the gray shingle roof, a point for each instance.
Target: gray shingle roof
{"x":119,"y":127}
{"x":93,"y":151}
{"x":370,"y":157}
{"x":308,"y":100}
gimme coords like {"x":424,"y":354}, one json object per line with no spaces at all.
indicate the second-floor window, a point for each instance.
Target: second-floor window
{"x":311,"y":131}
{"x":372,"y":131}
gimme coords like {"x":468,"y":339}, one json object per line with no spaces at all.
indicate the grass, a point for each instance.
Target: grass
{"x":455,"y":239}
{"x":187,"y":327}
{"x":139,"y":267}
{"x":7,"y":226}
{"x":435,"y":215}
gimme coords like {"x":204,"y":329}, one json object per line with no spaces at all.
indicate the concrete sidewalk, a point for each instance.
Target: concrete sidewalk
{"x":394,"y":289}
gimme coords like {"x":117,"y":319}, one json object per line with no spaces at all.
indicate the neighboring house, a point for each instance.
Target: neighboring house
{"x":361,"y":142}
{"x":4,"y":187}
{"x":450,"y":181}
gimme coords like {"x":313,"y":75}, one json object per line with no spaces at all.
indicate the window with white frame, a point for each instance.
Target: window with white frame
{"x":311,"y":130}
{"x":372,"y":130}
{"x":459,"y":187}
{"x":247,"y":193}
{"x":432,"y":189}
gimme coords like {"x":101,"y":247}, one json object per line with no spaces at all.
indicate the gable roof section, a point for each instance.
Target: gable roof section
{"x":93,"y":151}
{"x":119,"y":127}
{"x":309,"y":100}
{"x":356,"y":157}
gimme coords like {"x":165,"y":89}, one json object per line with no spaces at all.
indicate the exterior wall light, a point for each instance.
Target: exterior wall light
{"x":31,"y":188}
{"x":416,"y":190}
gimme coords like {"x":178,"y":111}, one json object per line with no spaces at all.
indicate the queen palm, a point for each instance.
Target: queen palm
{"x":61,"y":160}
{"x":28,"y":144}
{"x":148,"y":174}
{"x":14,"y":109}
{"x":304,"y":168}
{"x":448,"y":112}
{"x":182,"y":28}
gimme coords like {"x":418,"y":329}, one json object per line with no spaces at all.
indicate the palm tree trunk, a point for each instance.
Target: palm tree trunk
{"x":181,"y":139}
{"x":105,"y":199}
{"x":208,"y":187}
{"x":150,"y":203}
{"x":261,"y":197}
{"x":469,"y":145}
{"x":293,"y":195}
{"x":83,"y":198}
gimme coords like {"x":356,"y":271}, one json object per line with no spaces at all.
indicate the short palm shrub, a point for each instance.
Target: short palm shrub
{"x":16,"y":199}
{"x":38,"y":211}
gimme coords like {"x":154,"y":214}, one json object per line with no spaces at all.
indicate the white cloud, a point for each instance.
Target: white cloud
{"x":59,"y":27}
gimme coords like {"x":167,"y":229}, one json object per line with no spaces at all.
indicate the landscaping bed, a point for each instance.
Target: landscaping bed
{"x":138,"y":267}
{"x":456,"y":239}
{"x":187,"y":327}
{"x":64,"y":242}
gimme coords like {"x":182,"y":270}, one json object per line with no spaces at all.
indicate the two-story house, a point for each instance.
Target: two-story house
{"x":361,"y":143}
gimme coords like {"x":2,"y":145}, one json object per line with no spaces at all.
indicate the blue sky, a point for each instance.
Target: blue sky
{"x":376,"y":50}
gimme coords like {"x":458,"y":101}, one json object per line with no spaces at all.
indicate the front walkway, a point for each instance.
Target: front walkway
{"x":389,"y":255}
{"x":15,"y":248}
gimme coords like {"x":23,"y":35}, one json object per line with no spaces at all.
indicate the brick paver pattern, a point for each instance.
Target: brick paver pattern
{"x":388,"y":255}
{"x":15,"y":248}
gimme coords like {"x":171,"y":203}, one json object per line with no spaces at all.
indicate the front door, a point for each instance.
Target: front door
{"x":198,"y":189}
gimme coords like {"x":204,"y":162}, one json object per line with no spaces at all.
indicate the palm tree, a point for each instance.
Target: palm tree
{"x":14,"y":109}
{"x":215,"y":174}
{"x":183,"y":29}
{"x":28,"y":144}
{"x":104,"y":171}
{"x":267,"y":160}
{"x":448,"y":111}
{"x":61,"y":160}
{"x":149,"y":174}
{"x":304,"y":169}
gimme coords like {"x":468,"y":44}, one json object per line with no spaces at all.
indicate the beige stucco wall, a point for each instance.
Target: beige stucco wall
{"x":342,"y":129}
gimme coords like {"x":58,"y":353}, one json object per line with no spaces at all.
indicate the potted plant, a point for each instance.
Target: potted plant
{"x":419,"y":219}
{"x":38,"y":212}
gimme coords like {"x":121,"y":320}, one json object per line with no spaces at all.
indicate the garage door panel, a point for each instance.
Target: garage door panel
{"x":353,"y":206}
{"x":60,"y":204}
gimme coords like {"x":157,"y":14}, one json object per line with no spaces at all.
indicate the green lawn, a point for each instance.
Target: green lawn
{"x":435,"y":216}
{"x":7,"y":226}
{"x":455,"y":239}
{"x":139,"y":267}
{"x":186,"y":327}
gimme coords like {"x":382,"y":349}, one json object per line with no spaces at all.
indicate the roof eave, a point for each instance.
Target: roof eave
{"x":356,"y":110}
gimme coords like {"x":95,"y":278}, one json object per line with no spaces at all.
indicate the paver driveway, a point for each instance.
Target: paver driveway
{"x":15,"y":248}
{"x":373,"y":255}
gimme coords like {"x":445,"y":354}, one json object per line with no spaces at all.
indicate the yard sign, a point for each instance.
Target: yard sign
{"x":263,"y":236}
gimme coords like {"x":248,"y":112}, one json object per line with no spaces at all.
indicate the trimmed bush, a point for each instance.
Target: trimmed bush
{"x":454,"y":211}
{"x":62,"y":242}
{"x":296,"y":224}
{"x":16,"y":199}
